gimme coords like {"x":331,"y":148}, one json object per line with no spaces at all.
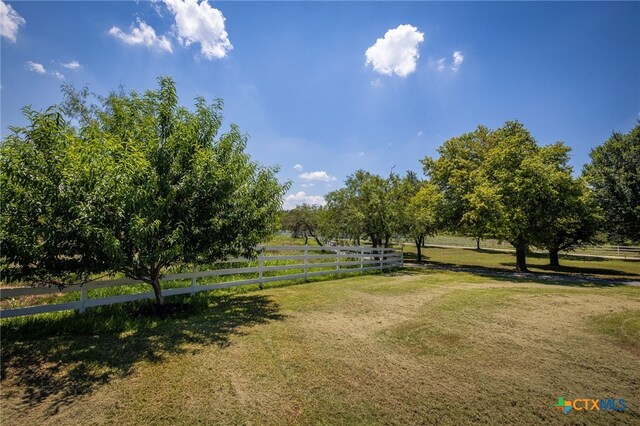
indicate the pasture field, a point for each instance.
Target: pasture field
{"x":585,"y":266}
{"x":413,"y":346}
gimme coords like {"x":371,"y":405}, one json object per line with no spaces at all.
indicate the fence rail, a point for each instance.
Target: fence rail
{"x":627,"y":252}
{"x":348,"y":259}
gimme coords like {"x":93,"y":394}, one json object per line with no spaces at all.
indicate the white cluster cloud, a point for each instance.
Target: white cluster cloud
{"x":200,"y":23}
{"x":142,"y":34}
{"x":194,"y":23}
{"x":40,"y":69}
{"x":292,"y":200}
{"x":397,"y":52}
{"x":73,"y":65}
{"x":10,"y":22}
{"x":456,"y":60}
{"x":320,"y":175}
{"x":298,"y":167}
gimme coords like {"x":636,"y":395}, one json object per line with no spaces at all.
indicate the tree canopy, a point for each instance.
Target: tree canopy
{"x":614,"y":176}
{"x":136,"y":185}
{"x":500,"y":183}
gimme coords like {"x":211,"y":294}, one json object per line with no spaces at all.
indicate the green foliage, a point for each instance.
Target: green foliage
{"x":369,"y":205}
{"x":304,"y":221}
{"x":501,"y":183}
{"x":614,"y":175}
{"x":138,"y":185}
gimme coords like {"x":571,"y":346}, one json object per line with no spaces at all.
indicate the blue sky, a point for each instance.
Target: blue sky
{"x":334,"y":87}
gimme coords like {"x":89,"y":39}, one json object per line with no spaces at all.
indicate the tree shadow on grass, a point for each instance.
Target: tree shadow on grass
{"x":55,"y":361}
{"x":500,"y":266}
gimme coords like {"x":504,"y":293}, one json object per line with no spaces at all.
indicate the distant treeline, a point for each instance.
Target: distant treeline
{"x":490,"y":184}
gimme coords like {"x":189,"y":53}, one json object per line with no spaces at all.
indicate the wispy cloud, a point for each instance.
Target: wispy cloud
{"x":456,"y":61}
{"x":73,"y":65}
{"x":319,"y":175}
{"x":142,"y":34}
{"x":458,"y":58}
{"x":40,"y":69}
{"x":10,"y":22}
{"x":35,"y":67}
{"x":397,"y":52}
{"x":298,"y":167}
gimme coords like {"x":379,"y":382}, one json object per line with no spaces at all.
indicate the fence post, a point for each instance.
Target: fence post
{"x":306,"y":262}
{"x":381,"y":258}
{"x":402,"y":256}
{"x":193,"y":282}
{"x":361,"y":260}
{"x":260,"y":271}
{"x":83,"y":299}
{"x":338,"y":261}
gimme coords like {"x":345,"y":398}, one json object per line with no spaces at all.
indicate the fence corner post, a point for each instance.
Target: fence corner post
{"x":83,"y":299}
{"x":306,"y":262}
{"x":260,"y":271}
{"x":193,"y":282}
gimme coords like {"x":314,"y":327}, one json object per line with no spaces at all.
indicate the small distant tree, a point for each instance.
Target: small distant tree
{"x":422,"y":215}
{"x":138,"y":185}
{"x":366,"y":207}
{"x":304,"y":221}
{"x":614,"y":176}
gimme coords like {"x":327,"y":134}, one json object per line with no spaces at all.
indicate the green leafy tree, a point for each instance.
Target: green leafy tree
{"x":572,"y":218}
{"x":367,"y":206}
{"x":502,"y":179}
{"x":138,"y":185}
{"x":468,"y":208}
{"x":422,"y":215}
{"x":304,"y":221}
{"x":614,"y":176}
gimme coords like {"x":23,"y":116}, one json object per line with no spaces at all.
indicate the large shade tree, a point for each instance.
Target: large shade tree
{"x":133,"y":184}
{"x":614,"y":176}
{"x":501,"y":177}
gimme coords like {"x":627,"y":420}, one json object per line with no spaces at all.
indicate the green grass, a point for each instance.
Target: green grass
{"x":412,"y":346}
{"x":574,"y":265}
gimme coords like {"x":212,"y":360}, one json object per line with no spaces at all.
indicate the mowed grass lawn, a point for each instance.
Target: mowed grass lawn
{"x":409,"y":347}
{"x":536,"y":262}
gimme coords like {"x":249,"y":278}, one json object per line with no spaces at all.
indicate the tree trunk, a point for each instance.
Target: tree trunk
{"x":478,"y":243}
{"x":306,"y":239}
{"x":521,"y":258}
{"x":318,"y":240}
{"x":155,"y":283}
{"x":386,"y":241}
{"x":419,"y":248}
{"x":554,"y":259}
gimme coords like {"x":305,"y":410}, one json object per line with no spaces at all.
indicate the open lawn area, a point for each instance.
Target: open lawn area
{"x":537,"y":262}
{"x":410,"y":347}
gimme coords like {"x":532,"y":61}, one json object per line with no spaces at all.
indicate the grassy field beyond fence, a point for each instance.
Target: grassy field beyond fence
{"x":598,"y":250}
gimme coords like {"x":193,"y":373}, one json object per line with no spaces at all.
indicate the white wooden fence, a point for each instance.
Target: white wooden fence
{"x":342,"y":259}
